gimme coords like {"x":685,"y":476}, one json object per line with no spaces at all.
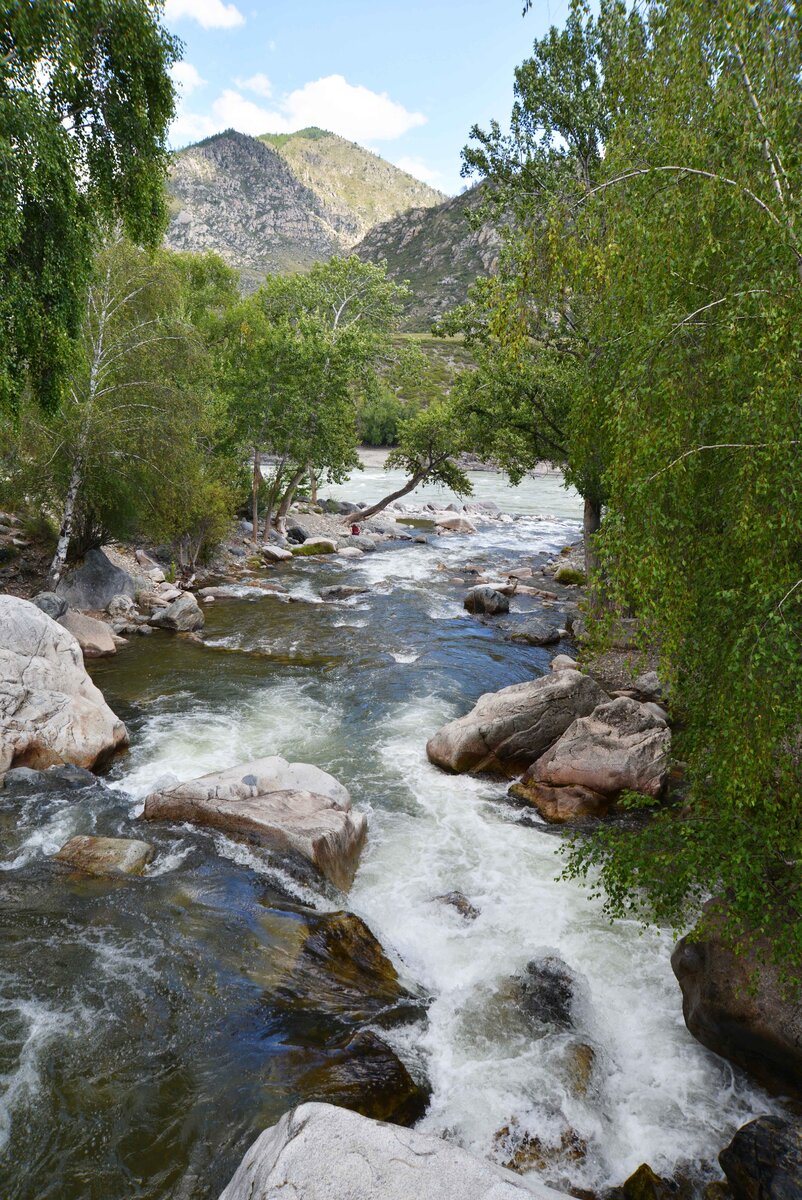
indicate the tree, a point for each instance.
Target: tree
{"x":85,"y":101}
{"x":428,"y":444}
{"x":689,"y":235}
{"x":529,"y":327}
{"x":298,"y":355}
{"x":132,"y":447}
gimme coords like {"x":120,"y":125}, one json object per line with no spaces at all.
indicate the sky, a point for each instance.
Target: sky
{"x":405,"y":78}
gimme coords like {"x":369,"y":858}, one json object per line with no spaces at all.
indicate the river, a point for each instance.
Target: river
{"x":141,"y":1046}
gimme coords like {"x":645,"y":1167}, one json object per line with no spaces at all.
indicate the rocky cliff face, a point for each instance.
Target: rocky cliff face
{"x":358,"y":188}
{"x":279,"y":204}
{"x":437,"y":251}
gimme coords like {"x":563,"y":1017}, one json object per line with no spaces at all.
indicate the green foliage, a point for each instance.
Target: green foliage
{"x":428,"y":443}
{"x":297,"y":356}
{"x":133,"y":448}
{"x":85,"y":101}
{"x":675,"y":261}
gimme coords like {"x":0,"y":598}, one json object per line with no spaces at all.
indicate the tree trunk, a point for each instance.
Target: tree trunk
{"x":408,"y":487}
{"x":590,"y":525}
{"x":65,"y":533}
{"x":256,"y":481}
{"x":284,"y":507}
{"x":313,"y":485}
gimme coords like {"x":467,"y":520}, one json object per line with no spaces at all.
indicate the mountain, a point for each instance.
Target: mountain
{"x":437,"y":251}
{"x":359,"y":186}
{"x":280,"y":203}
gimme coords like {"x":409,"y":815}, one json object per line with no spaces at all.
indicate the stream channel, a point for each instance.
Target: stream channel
{"x":143,"y":1039}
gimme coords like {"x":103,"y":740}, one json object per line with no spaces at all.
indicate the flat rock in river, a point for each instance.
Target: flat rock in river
{"x":509,"y":729}
{"x":293,"y":808}
{"x":321,"y":1152}
{"x":94,"y":637}
{"x":106,"y":856}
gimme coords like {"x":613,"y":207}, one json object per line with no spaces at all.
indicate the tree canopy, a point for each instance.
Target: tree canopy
{"x":85,"y":101}
{"x":672,"y":269}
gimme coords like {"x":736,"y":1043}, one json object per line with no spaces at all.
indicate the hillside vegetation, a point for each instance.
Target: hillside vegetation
{"x":438,"y":252}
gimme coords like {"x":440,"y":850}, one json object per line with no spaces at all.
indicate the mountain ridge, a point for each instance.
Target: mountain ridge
{"x":278,"y":203}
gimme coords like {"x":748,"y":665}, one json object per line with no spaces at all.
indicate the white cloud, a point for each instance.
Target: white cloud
{"x":233,"y":111}
{"x":418,"y":169}
{"x":186,"y":77}
{"x":259,"y":84}
{"x":353,"y":111}
{"x":332,"y":103}
{"x":211,"y":14}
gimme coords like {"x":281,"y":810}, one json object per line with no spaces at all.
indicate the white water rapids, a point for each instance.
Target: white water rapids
{"x":358,"y":687}
{"x":653,"y":1094}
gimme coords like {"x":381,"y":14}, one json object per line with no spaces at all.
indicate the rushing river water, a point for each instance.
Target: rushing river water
{"x":143,"y":1039}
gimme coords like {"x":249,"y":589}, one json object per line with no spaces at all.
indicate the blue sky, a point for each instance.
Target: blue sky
{"x":406,"y":78}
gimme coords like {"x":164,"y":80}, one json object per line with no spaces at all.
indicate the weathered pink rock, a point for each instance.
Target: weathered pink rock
{"x":270,"y":800}
{"x":619,"y":746}
{"x":561,"y":805}
{"x":509,"y":729}
{"x":50,"y":711}
{"x":95,"y":638}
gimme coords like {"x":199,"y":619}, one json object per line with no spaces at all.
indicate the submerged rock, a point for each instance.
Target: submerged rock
{"x":532,"y":630}
{"x":735,"y":1002}
{"x":341,"y":591}
{"x":509,"y":729}
{"x":620,"y":745}
{"x":320,"y":1152}
{"x":106,"y":856}
{"x":50,"y":711}
{"x":54,"y":779}
{"x":293,"y":808}
{"x":546,"y":990}
{"x":764,"y":1160}
{"x":367,"y":1077}
{"x":461,"y":903}
{"x":95,"y":583}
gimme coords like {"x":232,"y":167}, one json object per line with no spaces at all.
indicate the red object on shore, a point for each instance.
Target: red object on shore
{"x":354,"y":530}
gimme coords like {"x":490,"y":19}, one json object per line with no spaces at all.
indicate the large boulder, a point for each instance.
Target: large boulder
{"x":619,"y":746}
{"x":509,"y":729}
{"x":764,"y":1160}
{"x":95,"y":583}
{"x":50,"y":711}
{"x":737,"y":1004}
{"x":293,"y":808}
{"x":486,"y":600}
{"x":95,"y":638}
{"x":454,"y":523}
{"x":105,"y":856}
{"x":320,"y":1152}
{"x":55,"y":606}
{"x":183,"y":615}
